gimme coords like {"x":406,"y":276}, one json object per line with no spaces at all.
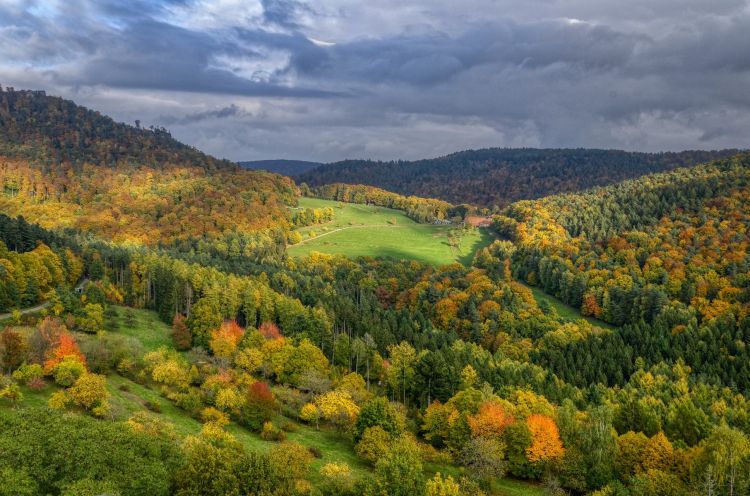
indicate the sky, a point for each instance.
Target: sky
{"x":326,"y":80}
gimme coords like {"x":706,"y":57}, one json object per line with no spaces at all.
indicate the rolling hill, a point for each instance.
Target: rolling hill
{"x":282,"y":166}
{"x":63,"y":165}
{"x":500,"y":176}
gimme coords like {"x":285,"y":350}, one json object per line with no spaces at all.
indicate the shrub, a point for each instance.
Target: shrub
{"x":272,"y":433}
{"x":373,"y":444}
{"x":315,"y":451}
{"x":68,"y":371}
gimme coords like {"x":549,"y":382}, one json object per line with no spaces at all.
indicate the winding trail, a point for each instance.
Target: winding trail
{"x":40,"y":306}
{"x":344,"y":228}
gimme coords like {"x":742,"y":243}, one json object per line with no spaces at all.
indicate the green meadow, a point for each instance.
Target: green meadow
{"x":370,"y":231}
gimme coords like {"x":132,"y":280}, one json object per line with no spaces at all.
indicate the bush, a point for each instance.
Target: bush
{"x":374,"y":443}
{"x":68,"y":371}
{"x":315,"y":452}
{"x":152,"y":406}
{"x":272,"y":433}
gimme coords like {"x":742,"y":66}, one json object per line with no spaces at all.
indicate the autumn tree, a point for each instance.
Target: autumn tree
{"x":338,"y":408}
{"x":260,"y":405}
{"x":182,"y":338}
{"x":225,"y":339}
{"x":13,"y":349}
{"x":379,"y":412}
{"x":490,"y":421}
{"x":545,"y":439}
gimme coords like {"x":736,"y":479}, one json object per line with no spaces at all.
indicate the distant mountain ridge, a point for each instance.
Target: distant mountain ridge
{"x":284,"y":167}
{"x":499,"y":176}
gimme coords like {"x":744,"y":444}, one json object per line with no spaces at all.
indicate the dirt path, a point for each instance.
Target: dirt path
{"x":38,"y":307}
{"x":342,"y":229}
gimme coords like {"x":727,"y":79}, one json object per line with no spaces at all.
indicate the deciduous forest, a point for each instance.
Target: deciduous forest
{"x":158,"y":339}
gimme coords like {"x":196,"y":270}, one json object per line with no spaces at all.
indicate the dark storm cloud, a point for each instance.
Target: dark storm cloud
{"x":157,"y":55}
{"x":433,"y":58}
{"x":222,"y":113}
{"x":249,"y":79}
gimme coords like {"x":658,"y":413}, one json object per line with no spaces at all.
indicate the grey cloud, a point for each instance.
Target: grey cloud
{"x":403,"y":79}
{"x":222,"y":113}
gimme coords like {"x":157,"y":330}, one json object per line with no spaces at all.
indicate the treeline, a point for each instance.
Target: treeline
{"x":311,"y":216}
{"x":422,"y":210}
{"x":499,"y":176}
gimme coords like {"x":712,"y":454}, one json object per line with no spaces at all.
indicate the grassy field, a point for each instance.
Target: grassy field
{"x":564,"y":310}
{"x":370,"y":231}
{"x":144,"y":325}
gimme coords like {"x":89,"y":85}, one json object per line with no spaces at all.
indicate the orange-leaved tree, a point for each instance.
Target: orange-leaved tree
{"x":545,"y":439}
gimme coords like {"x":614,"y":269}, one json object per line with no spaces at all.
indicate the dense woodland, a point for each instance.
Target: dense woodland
{"x":411,"y":366}
{"x":62,"y":165}
{"x":496,"y":177}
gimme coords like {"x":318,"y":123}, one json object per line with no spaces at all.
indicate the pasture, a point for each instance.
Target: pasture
{"x":370,"y":231}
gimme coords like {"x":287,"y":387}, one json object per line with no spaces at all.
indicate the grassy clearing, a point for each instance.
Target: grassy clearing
{"x":565,"y":311}
{"x":144,"y":325}
{"x":370,"y":231}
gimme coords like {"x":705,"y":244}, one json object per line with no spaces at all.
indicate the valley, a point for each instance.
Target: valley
{"x":242,"y":334}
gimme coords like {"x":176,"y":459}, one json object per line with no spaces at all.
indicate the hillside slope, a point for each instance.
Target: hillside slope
{"x":500,"y":176}
{"x":281,"y":166}
{"x":63,"y":165}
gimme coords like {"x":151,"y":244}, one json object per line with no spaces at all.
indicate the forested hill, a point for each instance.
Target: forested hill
{"x":500,"y":176}
{"x":63,"y":165}
{"x":282,"y":166}
{"x":49,"y":130}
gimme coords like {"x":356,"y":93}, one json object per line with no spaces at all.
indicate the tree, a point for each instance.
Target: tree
{"x":373,"y":444}
{"x":65,"y":347}
{"x":337,"y":479}
{"x":260,"y":406}
{"x":68,"y":371}
{"x":310,"y":413}
{"x":545,"y":439}
{"x":207,"y":468}
{"x":727,"y":453}
{"x":290,"y":461}
{"x":92,"y":320}
{"x":205,"y":315}
{"x":379,"y":412}
{"x":225,"y":339}
{"x":401,"y":370}
{"x":90,"y":392}
{"x":439,"y":486}
{"x":658,"y":453}
{"x":182,"y":338}
{"x":399,"y":472}
{"x":338,"y":408}
{"x":490,"y":421}
{"x":485,"y":457}
{"x":13,"y":349}
{"x":687,"y":422}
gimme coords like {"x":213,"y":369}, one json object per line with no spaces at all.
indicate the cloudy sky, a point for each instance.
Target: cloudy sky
{"x":385,"y":79}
